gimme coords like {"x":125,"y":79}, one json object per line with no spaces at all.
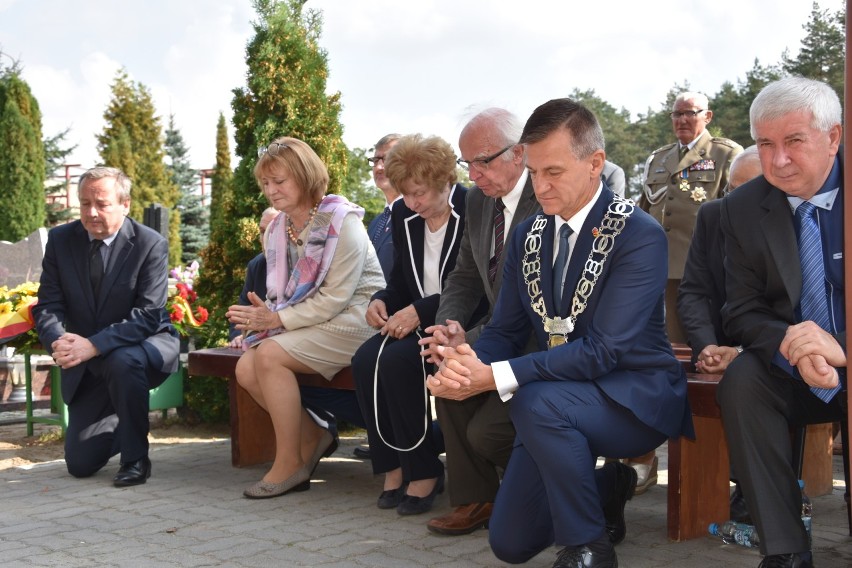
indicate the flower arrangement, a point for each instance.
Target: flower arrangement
{"x":17,"y":327}
{"x":183,"y":310}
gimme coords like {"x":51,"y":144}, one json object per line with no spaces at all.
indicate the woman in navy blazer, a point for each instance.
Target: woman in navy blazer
{"x":388,"y":369}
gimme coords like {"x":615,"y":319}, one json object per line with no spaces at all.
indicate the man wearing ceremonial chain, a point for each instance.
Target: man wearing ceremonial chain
{"x":587,"y":278}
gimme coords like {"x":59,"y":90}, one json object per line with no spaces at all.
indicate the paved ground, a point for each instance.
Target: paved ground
{"x":192,"y":513}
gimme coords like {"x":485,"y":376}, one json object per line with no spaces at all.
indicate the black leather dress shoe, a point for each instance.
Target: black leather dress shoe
{"x":739,"y":509}
{"x":621,"y":493}
{"x":133,"y":473}
{"x":583,"y":557}
{"x":796,"y":560}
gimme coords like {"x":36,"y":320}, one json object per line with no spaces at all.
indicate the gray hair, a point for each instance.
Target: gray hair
{"x":749,"y":153}
{"x":793,"y":94}
{"x":122,"y":182}
{"x":504,"y":123}
{"x":700,"y":99}
{"x":386,"y":139}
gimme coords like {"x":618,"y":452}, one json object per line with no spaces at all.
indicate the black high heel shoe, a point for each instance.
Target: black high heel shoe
{"x":411,"y":505}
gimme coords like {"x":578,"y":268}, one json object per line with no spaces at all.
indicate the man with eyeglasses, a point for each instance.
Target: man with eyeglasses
{"x":379,"y":228}
{"x":678,"y":178}
{"x":478,"y":432}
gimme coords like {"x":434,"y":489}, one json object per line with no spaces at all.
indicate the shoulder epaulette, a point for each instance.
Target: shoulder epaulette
{"x":663,"y":148}
{"x":725,"y":141}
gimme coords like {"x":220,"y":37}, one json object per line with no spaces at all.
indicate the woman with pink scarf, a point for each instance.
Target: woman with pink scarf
{"x":321,"y":273}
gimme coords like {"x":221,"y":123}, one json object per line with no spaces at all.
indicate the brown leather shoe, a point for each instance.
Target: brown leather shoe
{"x":463,"y":520}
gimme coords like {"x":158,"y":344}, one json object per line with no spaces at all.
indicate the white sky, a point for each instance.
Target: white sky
{"x":401,"y":65}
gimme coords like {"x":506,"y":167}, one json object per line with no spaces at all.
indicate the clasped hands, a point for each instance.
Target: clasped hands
{"x":71,"y":349}
{"x":715,"y":358}
{"x":254,"y":317}
{"x":815,"y":353}
{"x":399,"y":325}
{"x":461,"y":374}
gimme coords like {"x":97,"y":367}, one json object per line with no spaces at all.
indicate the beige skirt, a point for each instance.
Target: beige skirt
{"x":327,"y":347}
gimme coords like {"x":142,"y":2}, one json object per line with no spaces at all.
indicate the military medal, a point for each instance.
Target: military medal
{"x":557,"y":330}
{"x":684,"y":181}
{"x":699,"y":195}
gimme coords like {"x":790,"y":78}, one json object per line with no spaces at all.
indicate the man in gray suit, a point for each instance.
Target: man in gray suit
{"x":478,"y":432}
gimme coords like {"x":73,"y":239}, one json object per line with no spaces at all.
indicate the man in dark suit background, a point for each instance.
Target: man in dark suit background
{"x":784,"y":282}
{"x":605,"y":368}
{"x":379,"y":228}
{"x":701,"y":294}
{"x":255,"y":275}
{"x":478,"y":433}
{"x":101,"y":315}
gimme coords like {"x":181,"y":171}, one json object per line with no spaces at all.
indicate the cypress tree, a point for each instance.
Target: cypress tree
{"x":193,"y":215}
{"x":22,"y":161}
{"x":133,"y":141}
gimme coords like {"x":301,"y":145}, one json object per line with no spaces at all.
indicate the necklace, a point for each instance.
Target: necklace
{"x":293,"y":234}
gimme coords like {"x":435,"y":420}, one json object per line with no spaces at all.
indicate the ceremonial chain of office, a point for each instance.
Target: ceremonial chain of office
{"x":611,"y":226}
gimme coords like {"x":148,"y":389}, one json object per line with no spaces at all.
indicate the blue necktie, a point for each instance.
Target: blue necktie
{"x":381,"y":224}
{"x":813,"y":303}
{"x":559,"y":266}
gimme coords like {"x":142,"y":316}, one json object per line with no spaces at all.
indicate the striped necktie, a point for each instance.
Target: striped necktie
{"x":814,"y":302}
{"x":499,"y":227}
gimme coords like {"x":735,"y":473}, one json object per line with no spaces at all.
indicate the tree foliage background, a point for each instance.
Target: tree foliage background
{"x":22,"y":161}
{"x":194,"y":217}
{"x":132,"y":140}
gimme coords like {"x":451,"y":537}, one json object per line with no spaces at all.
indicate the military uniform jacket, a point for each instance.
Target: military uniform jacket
{"x":674,"y":188}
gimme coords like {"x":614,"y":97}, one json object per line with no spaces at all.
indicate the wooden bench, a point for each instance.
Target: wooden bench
{"x":252,"y":436}
{"x":699,"y":470}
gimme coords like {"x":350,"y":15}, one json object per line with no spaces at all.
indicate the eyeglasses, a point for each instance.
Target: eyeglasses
{"x":687,"y":113}
{"x":375,"y":160}
{"x":481,"y":163}
{"x":273,"y":149}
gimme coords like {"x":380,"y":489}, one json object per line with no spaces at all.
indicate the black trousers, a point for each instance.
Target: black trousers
{"x":759,"y":406}
{"x":401,"y":404}
{"x":109,"y":411}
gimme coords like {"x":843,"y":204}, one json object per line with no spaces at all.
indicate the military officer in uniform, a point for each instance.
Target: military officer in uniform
{"x":678,"y":178}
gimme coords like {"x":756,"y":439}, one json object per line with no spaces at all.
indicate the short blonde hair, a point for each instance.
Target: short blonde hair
{"x":426,"y":161}
{"x":300,"y":161}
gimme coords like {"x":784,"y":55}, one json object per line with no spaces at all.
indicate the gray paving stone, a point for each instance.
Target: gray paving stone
{"x":192,"y":514}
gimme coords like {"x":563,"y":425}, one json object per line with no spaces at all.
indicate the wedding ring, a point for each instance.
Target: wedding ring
{"x":399,"y":327}
{"x":248,"y":322}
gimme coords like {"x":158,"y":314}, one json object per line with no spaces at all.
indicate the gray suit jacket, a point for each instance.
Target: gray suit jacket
{"x":614,"y":177}
{"x":468,"y":281}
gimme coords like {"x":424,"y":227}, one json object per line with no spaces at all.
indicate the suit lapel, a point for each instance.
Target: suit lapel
{"x":120,"y":249}
{"x":582,"y":246}
{"x":414,"y":233}
{"x":777,"y":226}
{"x":80,"y":257}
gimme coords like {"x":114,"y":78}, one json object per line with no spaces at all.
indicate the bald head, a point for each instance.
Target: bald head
{"x":745,"y":167}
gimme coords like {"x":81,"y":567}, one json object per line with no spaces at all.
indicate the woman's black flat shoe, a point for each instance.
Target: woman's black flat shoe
{"x":391,"y":498}
{"x":410,"y":505}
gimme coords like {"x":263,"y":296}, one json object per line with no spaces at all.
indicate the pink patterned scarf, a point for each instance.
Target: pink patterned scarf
{"x":285,"y":287}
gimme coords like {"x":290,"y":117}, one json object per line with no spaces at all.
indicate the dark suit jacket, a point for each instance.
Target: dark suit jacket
{"x":619,"y":340}
{"x":383,"y":246}
{"x":468,"y":282}
{"x":702,"y":290}
{"x":255,"y":282}
{"x":405,"y":285}
{"x":763,"y":275}
{"x":130,"y":309}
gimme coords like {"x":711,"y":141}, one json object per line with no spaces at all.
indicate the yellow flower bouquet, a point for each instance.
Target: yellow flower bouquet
{"x":17,"y":327}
